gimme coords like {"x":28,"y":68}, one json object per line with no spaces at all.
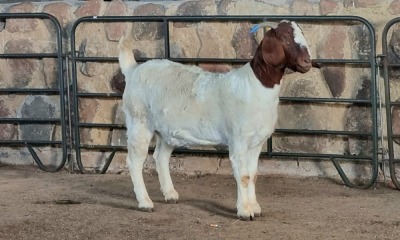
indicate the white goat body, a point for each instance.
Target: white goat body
{"x":188,"y":106}
{"x":184,"y":105}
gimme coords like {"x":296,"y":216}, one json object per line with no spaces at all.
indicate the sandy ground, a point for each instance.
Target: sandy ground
{"x":39,"y":205}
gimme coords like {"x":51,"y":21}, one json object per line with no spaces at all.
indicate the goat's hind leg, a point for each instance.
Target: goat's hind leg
{"x":162,"y":154}
{"x":139,"y":137}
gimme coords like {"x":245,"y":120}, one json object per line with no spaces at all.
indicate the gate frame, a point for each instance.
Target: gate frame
{"x":165,"y":20}
{"x":58,"y":54}
{"x":388,"y":101}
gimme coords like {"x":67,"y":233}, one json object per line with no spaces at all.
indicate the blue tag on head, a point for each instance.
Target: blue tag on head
{"x":255,"y":28}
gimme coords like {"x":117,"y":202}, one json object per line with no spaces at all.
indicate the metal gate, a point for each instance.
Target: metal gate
{"x":336,"y":158}
{"x":391,"y":64}
{"x":31,"y":121}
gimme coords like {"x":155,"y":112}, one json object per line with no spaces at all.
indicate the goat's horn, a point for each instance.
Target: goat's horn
{"x":255,"y":27}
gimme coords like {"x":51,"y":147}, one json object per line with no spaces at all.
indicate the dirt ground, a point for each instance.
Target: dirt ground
{"x":39,"y":205}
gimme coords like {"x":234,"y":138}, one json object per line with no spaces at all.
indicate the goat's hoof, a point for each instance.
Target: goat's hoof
{"x":256,"y":209}
{"x":247,"y":218}
{"x":145,"y":209}
{"x":245,"y":213}
{"x":171,"y":196}
{"x":172,"y":201}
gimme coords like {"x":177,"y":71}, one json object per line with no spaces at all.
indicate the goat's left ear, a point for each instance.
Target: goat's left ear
{"x":272,"y":49}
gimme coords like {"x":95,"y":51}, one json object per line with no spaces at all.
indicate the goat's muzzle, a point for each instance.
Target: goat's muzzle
{"x":303,"y":65}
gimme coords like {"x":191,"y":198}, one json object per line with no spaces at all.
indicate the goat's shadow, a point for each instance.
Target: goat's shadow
{"x":128,"y":202}
{"x":212,"y":207}
{"x":205,"y":205}
{"x":114,"y":204}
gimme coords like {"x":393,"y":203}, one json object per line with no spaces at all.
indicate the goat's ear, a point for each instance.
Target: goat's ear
{"x":272,"y":49}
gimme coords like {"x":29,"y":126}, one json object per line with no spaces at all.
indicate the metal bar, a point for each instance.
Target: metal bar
{"x":29,"y":91}
{"x":282,"y":99}
{"x":108,"y":162}
{"x":97,"y":95}
{"x":220,"y":60}
{"x":374,"y":112}
{"x":323,"y":100}
{"x":166,"y":40}
{"x":232,"y":18}
{"x":393,"y":65}
{"x":277,"y":131}
{"x":165,"y":20}
{"x":52,"y":91}
{"x":68,"y":103}
{"x":344,"y":176}
{"x":30,"y":142}
{"x":319,"y":132}
{"x":102,"y":125}
{"x":28,"y":55}
{"x":30,"y":120}
{"x":320,"y":155}
{"x":395,"y":160}
{"x":389,"y":103}
{"x":226,"y":153}
{"x":75,"y":108}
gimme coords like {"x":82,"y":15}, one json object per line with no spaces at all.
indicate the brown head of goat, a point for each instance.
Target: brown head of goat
{"x":282,"y":47}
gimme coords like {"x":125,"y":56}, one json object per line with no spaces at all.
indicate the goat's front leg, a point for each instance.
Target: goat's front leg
{"x":252,"y":166}
{"x":238,"y":154}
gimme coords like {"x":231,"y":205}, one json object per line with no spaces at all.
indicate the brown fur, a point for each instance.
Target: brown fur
{"x":268,"y":59}
{"x":278,"y":51}
{"x":245,"y":181}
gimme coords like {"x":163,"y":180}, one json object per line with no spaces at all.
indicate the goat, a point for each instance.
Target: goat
{"x":184,"y":105}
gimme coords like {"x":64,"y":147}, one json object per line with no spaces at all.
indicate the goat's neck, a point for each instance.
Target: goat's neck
{"x":268,"y":75}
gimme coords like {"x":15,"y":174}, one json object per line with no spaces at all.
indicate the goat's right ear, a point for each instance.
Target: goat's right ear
{"x":272,"y":49}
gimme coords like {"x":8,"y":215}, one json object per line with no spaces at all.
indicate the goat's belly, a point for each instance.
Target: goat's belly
{"x":188,"y":136}
{"x":188,"y":126}
{"x":182,"y":138}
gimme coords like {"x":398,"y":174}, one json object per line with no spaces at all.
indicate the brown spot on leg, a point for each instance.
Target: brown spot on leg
{"x":245,"y":181}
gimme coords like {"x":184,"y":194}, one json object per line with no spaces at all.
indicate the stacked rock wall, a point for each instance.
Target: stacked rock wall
{"x":208,"y":40}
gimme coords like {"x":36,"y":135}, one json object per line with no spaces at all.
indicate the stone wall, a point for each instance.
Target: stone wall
{"x":231,"y":40}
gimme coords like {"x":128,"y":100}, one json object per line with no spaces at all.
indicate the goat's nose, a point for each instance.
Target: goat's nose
{"x":307,"y":60}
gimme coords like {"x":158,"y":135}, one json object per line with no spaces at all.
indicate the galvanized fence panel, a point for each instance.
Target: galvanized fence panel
{"x":336,"y":158}
{"x":57,"y":91}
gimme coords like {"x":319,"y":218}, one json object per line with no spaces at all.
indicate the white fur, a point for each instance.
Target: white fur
{"x":299,"y":37}
{"x":183,"y":106}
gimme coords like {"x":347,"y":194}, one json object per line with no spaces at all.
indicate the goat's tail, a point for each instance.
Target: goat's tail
{"x":126,"y":58}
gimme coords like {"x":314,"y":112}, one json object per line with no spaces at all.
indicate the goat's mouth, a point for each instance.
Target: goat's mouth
{"x":303,"y":68}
